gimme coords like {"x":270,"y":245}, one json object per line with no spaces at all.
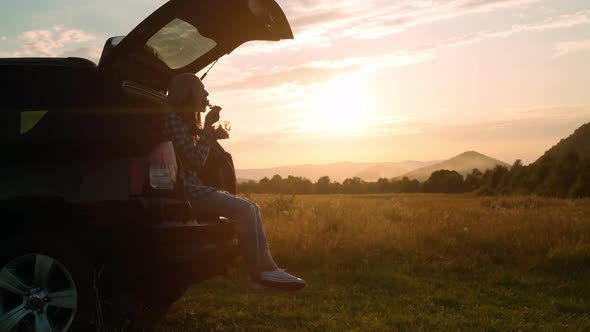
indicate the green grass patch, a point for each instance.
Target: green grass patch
{"x":409,"y":263}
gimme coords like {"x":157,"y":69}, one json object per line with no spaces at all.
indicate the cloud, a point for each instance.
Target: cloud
{"x":549,"y":122}
{"x":570,"y":47}
{"x":485,"y":5}
{"x":3,"y":38}
{"x":561,"y":22}
{"x":546,"y":122}
{"x":319,"y":17}
{"x":509,"y":135}
{"x":383,"y":19}
{"x":318,"y":24}
{"x":423,"y":13}
{"x":319,"y":71}
{"x":408,"y":14}
{"x":401,"y":22}
{"x":52,"y":42}
{"x":295,"y":75}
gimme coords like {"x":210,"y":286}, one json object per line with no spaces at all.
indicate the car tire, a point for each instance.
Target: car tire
{"x":44,"y":284}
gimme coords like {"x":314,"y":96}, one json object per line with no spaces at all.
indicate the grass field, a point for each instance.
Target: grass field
{"x":410,"y":263}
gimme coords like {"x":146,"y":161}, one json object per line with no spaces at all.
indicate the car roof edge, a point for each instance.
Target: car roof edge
{"x":69,"y":62}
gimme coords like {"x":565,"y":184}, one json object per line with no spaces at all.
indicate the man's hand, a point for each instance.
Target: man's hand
{"x":220,"y":133}
{"x":212,"y":116}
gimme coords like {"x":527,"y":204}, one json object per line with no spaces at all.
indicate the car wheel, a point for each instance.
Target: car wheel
{"x":43,"y":289}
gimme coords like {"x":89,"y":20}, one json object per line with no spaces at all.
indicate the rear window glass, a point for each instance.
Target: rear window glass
{"x":178,"y":44}
{"x":29,"y":119}
{"x":15,"y":124}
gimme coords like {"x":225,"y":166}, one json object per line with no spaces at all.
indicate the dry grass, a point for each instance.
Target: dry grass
{"x":411,"y":262}
{"x":435,"y":231}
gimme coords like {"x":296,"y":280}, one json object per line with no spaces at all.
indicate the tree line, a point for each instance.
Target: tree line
{"x":549,"y":176}
{"x":566,"y":177}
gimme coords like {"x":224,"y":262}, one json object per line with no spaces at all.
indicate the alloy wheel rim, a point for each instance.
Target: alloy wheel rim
{"x":37,"y":293}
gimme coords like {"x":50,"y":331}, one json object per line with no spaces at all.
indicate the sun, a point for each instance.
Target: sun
{"x":337,"y":107}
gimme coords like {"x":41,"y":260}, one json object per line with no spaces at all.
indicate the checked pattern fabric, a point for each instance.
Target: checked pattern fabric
{"x":193,"y":151}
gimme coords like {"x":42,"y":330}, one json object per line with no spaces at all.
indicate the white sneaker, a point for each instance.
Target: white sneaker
{"x":279,"y":279}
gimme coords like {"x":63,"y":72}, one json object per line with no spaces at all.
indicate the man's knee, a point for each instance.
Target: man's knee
{"x":246,"y":206}
{"x":254,"y":204}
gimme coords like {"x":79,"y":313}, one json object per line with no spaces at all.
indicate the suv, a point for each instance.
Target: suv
{"x":96,"y":229}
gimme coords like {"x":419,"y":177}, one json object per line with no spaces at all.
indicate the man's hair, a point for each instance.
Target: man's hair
{"x":181,"y":89}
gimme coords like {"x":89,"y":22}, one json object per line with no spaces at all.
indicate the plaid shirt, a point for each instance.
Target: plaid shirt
{"x":193,"y":151}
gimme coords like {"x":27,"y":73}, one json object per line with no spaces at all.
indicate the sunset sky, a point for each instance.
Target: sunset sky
{"x":369,"y":80}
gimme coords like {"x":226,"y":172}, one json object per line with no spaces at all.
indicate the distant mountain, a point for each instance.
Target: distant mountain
{"x":562,"y":171}
{"x":463,"y":163}
{"x":336,"y":171}
{"x":578,"y":142}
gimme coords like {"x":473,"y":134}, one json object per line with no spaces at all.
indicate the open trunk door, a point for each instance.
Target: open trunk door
{"x":187,"y":35}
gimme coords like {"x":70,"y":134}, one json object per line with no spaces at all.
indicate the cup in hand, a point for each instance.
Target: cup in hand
{"x":222,"y":129}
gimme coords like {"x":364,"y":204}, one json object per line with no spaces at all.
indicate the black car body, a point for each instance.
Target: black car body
{"x":94,"y":214}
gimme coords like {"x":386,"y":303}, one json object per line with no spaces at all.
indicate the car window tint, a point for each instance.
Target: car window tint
{"x":29,"y":119}
{"x":178,"y":44}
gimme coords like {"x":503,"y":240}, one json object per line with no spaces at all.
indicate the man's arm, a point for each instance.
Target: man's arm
{"x":174,"y":127}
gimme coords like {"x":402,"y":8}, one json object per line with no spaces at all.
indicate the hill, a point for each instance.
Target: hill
{"x":577,"y":142}
{"x":463,"y":164}
{"x":336,"y":171}
{"x":562,"y":171}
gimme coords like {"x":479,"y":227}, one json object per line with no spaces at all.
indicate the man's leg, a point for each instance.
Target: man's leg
{"x":251,"y":237}
{"x":268,"y":273}
{"x":244,"y":213}
{"x":266,"y":262}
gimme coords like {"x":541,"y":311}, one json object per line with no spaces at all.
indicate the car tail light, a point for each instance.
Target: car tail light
{"x":156,"y":173}
{"x":162,"y":167}
{"x":137,"y":177}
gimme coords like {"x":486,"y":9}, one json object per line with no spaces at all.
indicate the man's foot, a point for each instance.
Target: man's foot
{"x":281,"y":280}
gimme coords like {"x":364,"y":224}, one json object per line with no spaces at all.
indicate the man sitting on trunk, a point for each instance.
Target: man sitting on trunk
{"x":187,"y":95}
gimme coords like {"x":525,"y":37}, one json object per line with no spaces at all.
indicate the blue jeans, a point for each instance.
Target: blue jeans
{"x":251,"y":238}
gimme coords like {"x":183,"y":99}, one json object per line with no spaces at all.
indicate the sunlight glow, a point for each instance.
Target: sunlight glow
{"x":338,"y":107}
